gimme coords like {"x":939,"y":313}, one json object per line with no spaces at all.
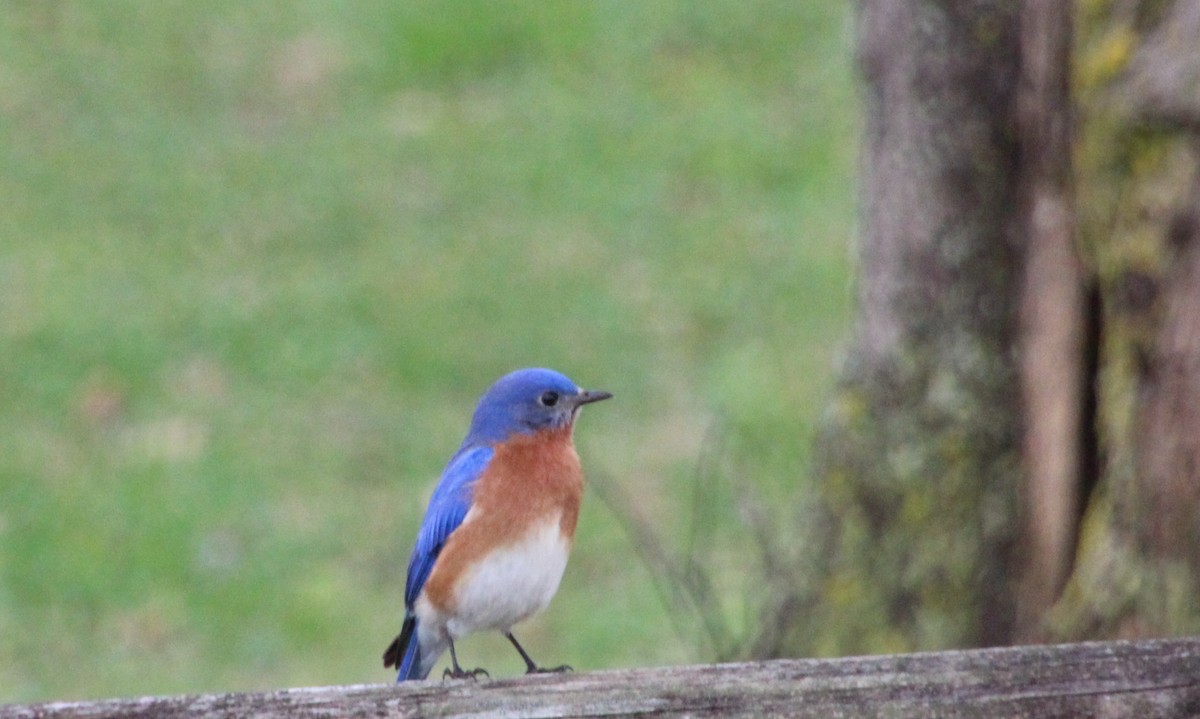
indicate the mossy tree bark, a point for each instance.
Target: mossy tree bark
{"x":1013,"y":448}
{"x":1137,"y":569}
{"x":920,"y":444}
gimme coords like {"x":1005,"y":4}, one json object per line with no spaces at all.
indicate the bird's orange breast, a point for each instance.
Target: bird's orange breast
{"x":529,"y":479}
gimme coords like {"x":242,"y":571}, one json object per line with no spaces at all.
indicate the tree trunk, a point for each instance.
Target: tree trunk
{"x":1013,"y":449}
{"x":918,"y":454}
{"x":1056,"y":347}
{"x":1138,"y":566}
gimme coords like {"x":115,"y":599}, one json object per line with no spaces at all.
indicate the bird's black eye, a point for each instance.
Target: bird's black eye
{"x":548,"y":399}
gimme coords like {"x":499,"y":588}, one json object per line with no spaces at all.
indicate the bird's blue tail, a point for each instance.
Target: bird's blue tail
{"x":410,"y":668}
{"x":404,"y":653}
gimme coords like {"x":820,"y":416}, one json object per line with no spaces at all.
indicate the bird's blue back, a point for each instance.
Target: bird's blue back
{"x":450,"y":502}
{"x":449,"y":505}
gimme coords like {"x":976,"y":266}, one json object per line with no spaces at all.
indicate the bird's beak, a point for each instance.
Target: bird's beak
{"x":593,"y":395}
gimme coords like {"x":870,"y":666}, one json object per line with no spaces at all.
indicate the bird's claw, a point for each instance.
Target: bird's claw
{"x":460,"y":673}
{"x":560,"y":669}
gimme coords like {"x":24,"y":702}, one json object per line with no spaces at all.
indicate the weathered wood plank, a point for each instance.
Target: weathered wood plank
{"x":1143,"y":679}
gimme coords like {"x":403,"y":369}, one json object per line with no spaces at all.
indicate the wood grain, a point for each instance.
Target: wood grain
{"x":1142,"y":679}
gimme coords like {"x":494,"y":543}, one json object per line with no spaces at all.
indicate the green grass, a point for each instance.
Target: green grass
{"x":257,"y":262}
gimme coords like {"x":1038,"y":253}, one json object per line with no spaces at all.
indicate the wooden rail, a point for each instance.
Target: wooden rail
{"x":1139,"y":679}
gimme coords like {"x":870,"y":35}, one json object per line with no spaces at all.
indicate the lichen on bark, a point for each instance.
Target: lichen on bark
{"x":917,"y":452}
{"x":1138,"y":188}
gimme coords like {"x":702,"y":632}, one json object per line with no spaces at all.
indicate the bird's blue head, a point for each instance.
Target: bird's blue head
{"x":527,"y":401}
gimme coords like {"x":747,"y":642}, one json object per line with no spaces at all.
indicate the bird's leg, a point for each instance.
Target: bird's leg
{"x":530,"y":666}
{"x":457,"y":672}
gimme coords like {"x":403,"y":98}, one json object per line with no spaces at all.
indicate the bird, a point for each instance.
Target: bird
{"x":494,"y":542}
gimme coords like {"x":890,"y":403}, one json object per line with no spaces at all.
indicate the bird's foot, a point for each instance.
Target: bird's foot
{"x":560,"y":669}
{"x":460,"y":673}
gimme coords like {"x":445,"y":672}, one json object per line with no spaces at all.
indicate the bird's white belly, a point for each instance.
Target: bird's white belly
{"x":512,"y":583}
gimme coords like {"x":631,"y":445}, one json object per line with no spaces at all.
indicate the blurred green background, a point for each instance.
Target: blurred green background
{"x":257,"y":261}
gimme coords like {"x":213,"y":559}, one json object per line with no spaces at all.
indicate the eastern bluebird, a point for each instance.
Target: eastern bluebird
{"x":495,"y":538}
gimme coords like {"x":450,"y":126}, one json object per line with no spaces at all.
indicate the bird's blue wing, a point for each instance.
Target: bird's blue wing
{"x":449,"y":504}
